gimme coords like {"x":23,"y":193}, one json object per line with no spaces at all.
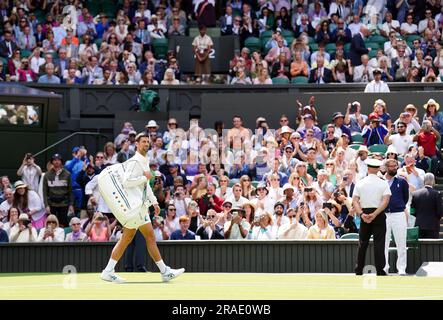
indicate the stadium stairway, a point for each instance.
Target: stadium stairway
{"x":439,"y":187}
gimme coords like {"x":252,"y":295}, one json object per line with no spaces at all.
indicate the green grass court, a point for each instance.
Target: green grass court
{"x":217,"y":286}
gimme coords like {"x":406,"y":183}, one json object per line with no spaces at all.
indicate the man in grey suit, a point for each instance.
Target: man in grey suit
{"x":27,"y":40}
{"x":427,"y":205}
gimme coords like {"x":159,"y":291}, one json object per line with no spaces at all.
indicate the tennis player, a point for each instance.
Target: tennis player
{"x":125,"y":189}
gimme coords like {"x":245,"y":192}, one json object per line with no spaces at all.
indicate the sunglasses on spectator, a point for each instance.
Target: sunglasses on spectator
{"x":172,"y":123}
{"x":99,"y":157}
{"x":227,"y":206}
{"x":284,"y":120}
{"x":75,"y":224}
{"x":47,"y":222}
{"x":172,"y":209}
{"x":329,"y":164}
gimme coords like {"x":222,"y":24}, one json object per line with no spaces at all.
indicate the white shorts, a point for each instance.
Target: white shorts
{"x":131,"y":213}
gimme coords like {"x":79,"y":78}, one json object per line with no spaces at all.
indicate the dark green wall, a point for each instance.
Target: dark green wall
{"x":328,"y":256}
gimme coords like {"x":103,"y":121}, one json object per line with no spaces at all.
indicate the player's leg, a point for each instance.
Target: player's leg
{"x":166,"y":272}
{"x":108,"y":273}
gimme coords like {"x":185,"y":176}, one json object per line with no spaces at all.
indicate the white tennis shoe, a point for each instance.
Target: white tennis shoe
{"x":111,"y":277}
{"x":170,"y":274}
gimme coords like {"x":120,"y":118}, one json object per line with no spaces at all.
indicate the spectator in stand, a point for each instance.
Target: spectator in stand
{"x":320,"y":74}
{"x":57,"y":191}
{"x":7,"y":45}
{"x":299,"y":67}
{"x":409,"y":27}
{"x":433,"y":115}
{"x":209,"y":229}
{"x":6,"y":204}
{"x":411,"y":173}
{"x":23,"y":231}
{"x":29,"y":202}
{"x":49,"y":77}
{"x":426,"y":205}
{"x":51,"y":232}
{"x":427,"y":138}
{"x":280,"y":68}
{"x":275,"y":53}
{"x":76,"y":235}
{"x":358,"y":47}
{"x":321,"y":229}
{"x":364,"y":72}
{"x":30,"y":172}
{"x":400,"y":141}
{"x":183,"y":233}
{"x":100,"y":229}
{"x":375,"y":132}
{"x":265,"y":230}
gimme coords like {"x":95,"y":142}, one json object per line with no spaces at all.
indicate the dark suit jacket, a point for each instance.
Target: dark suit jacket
{"x":216,"y":234}
{"x":358,"y":48}
{"x":276,"y":67}
{"x":428,"y":207}
{"x":4,"y":52}
{"x":310,"y":31}
{"x":327,"y":75}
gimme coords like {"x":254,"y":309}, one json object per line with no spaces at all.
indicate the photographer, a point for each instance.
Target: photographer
{"x":52,"y":232}
{"x":209,"y":230}
{"x":23,"y":230}
{"x":180,"y":200}
{"x":29,"y":172}
{"x":159,"y":190}
{"x":375,"y":132}
{"x":208,"y":200}
{"x":160,"y":232}
{"x":238,"y":227}
{"x":354,"y":118}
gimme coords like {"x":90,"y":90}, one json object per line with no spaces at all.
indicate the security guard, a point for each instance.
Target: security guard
{"x":371,"y":197}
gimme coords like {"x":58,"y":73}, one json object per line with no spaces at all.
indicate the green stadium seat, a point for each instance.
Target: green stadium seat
{"x":67,"y":230}
{"x":380,"y":148}
{"x":348,"y":236}
{"x":377,"y":38}
{"x":236,"y":12}
{"x":299,"y":80}
{"x":253,"y":44}
{"x":160,"y":48}
{"x":357,"y":138}
{"x":373,"y":45}
{"x":289,"y":40}
{"x":411,"y":238}
{"x":5,"y":64}
{"x":287,"y":33}
{"x":98,"y":43}
{"x":324,"y":127}
{"x":330,"y":47}
{"x":25,"y":53}
{"x":266,"y":34}
{"x":372,"y":54}
{"x":412,"y":37}
{"x":278,"y":80}
{"x":355,"y":146}
{"x":311,"y":40}
{"x":313,"y":47}
{"x":347,"y":47}
{"x":212,"y":32}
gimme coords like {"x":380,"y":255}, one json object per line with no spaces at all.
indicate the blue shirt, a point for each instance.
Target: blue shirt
{"x":400,"y":195}
{"x":3,"y":236}
{"x":177,"y":235}
{"x":46,"y":79}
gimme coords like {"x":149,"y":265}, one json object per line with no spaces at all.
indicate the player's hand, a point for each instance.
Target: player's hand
{"x":156,"y":209}
{"x":147,"y":174}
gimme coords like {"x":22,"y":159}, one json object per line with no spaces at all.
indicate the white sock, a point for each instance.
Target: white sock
{"x":111,"y":265}
{"x":161,"y":266}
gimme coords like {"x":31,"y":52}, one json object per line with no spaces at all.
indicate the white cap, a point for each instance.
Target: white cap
{"x":152,"y":124}
{"x":373,"y":163}
{"x":287,"y":186}
{"x":285,"y":129}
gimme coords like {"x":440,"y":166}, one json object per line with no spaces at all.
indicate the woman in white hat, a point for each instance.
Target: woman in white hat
{"x":23,"y":230}
{"x":433,"y":115}
{"x":29,"y":202}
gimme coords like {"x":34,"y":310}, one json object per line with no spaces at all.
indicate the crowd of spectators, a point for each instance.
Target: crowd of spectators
{"x":295,"y":182}
{"x":337,"y":41}
{"x":363,"y":41}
